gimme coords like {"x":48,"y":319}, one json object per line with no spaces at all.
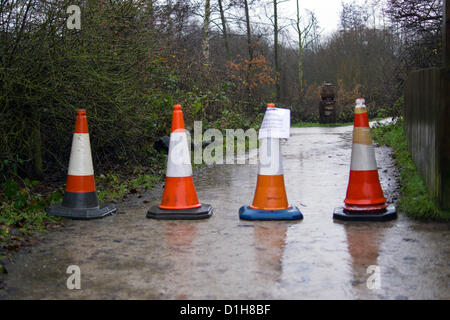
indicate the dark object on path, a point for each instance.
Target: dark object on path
{"x":203,"y":212}
{"x":327,"y":92}
{"x":163,"y":143}
{"x":327,"y":106}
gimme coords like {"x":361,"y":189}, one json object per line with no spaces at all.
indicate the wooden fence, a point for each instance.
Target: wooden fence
{"x":427,"y":126}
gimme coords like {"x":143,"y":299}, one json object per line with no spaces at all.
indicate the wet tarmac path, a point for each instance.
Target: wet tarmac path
{"x":128,"y":256}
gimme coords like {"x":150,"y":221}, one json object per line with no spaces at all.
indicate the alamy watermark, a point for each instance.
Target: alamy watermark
{"x":214,"y":152}
{"x":74,"y":20}
{"x":374,"y":280}
{"x":74,"y":280}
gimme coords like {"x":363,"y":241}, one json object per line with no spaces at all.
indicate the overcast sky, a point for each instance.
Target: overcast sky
{"x":327,"y":11}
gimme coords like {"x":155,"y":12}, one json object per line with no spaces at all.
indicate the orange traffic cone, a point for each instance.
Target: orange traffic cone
{"x":365,"y":199}
{"x":270,"y":200}
{"x":179,"y":200}
{"x":80,"y":199}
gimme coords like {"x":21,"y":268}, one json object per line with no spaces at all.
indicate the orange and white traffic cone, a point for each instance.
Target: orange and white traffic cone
{"x":270,"y":200}
{"x":80,"y":199}
{"x":365,"y":200}
{"x":179,"y":200}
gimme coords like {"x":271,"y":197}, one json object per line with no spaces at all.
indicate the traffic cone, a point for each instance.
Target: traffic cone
{"x":270,"y":200}
{"x":179,"y":200}
{"x":365,"y":200}
{"x":80,"y":199}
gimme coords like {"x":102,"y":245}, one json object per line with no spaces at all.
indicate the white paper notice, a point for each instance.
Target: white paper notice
{"x":276,"y":124}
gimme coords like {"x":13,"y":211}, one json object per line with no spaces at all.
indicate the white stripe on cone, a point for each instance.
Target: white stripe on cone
{"x":179,"y":159}
{"x":80,"y":163}
{"x":270,"y":163}
{"x":363,"y":158}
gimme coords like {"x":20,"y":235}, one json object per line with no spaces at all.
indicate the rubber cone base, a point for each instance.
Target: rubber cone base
{"x":389,"y":213}
{"x":247,"y":213}
{"x":105,"y":209}
{"x":203,"y":212}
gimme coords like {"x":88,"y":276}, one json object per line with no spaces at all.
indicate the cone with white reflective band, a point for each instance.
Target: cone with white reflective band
{"x":80,"y":198}
{"x":270,"y":200}
{"x":364,"y":199}
{"x":179,"y":200}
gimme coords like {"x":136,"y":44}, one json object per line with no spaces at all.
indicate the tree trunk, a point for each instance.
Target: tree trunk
{"x":277,"y":67}
{"x":224,"y":31}
{"x":205,"y":33}
{"x":446,"y":34}
{"x":36,"y":145}
{"x":249,"y":33}
{"x":249,"y":44}
{"x":300,"y":52}
{"x":150,"y":11}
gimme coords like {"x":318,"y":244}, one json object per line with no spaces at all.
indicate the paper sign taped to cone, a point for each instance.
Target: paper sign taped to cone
{"x":276,"y":124}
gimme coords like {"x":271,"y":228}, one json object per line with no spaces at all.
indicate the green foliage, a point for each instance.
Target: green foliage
{"x":231,"y":120}
{"x":113,"y":187}
{"x":257,"y":121}
{"x":22,"y":210}
{"x":415,"y":200}
{"x":114,"y":67}
{"x":382,"y":113}
{"x":145,"y":182}
{"x":346,"y":115}
{"x":317,"y":124}
{"x":397,"y":109}
{"x":123,"y":69}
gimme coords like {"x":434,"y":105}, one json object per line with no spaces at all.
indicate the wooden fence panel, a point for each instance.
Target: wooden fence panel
{"x":427,"y":124}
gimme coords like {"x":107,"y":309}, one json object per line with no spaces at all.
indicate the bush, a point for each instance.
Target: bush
{"x":22,"y":211}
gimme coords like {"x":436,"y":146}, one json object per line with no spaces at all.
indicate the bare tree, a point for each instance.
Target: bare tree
{"x":224,"y":30}
{"x":249,"y":32}
{"x":306,"y":35}
{"x":420,"y":24}
{"x":205,"y":33}
{"x":275,"y":49}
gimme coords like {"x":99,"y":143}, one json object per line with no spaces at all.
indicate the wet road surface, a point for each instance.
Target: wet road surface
{"x":128,"y":256}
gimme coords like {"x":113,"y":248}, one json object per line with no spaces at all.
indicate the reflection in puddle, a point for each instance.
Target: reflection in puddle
{"x":270,"y":240}
{"x":363,"y":247}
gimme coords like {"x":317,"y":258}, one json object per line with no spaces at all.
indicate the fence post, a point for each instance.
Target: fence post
{"x":446,"y":34}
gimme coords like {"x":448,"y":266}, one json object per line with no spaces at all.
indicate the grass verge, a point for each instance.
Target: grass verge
{"x":334,"y":124}
{"x":22,"y":214}
{"x":415,"y":199}
{"x":317,"y":124}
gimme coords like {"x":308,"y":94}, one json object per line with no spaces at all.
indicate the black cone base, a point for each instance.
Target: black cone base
{"x":389,"y":213}
{"x":103,"y":210}
{"x":203,"y":212}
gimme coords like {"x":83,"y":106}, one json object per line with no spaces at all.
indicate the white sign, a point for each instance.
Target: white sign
{"x":276,"y":124}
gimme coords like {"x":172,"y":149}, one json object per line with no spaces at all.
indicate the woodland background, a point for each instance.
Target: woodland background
{"x":133,"y":59}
